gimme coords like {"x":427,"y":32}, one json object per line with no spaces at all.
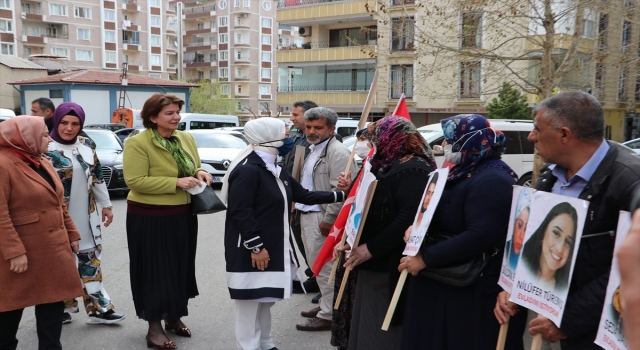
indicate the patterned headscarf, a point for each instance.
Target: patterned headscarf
{"x":64,"y":109}
{"x":396,"y":138}
{"x":472,"y":135}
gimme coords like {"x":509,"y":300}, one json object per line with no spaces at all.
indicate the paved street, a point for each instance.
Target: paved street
{"x":210,"y":314}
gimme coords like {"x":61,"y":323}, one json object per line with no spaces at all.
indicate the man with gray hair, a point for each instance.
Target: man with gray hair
{"x":567,"y":134}
{"x":322,"y":167}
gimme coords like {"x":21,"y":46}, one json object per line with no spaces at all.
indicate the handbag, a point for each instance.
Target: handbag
{"x":459,"y":274}
{"x":206,"y":202}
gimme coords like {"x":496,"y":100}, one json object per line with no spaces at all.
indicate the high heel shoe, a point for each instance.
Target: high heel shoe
{"x":182,"y":332}
{"x":168,"y":345}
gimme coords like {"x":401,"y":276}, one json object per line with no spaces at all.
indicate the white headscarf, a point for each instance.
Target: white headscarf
{"x":256,"y":131}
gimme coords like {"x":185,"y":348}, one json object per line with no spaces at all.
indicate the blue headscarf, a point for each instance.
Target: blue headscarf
{"x":472,"y":135}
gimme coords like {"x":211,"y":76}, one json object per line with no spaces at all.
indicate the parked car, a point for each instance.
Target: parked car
{"x":633,"y":144}
{"x":108,"y":126}
{"x":4,"y":118}
{"x":232,"y":128}
{"x":348,"y":127}
{"x":519,"y":151}
{"x":198,"y":121}
{"x":123,"y":133}
{"x":217,"y":148}
{"x":109,"y":150}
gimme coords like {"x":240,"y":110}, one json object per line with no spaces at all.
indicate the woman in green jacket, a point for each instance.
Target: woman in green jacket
{"x":160,"y":164}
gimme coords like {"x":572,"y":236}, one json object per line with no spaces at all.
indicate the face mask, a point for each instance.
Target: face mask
{"x":362,"y":149}
{"x":456,"y":157}
{"x":287,"y":146}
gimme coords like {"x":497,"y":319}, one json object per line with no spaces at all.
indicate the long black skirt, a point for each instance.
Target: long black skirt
{"x":162,"y":250}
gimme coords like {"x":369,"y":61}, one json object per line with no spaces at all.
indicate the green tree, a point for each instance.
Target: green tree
{"x":208,"y":98}
{"x":510,"y":104}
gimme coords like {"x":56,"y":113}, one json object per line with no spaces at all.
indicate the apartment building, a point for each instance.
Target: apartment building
{"x":94,"y":34}
{"x":233,"y":42}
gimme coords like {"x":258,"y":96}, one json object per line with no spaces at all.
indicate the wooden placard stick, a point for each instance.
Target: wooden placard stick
{"x":394,"y":300}
{"x":332,"y":276}
{"x":372,"y":190}
{"x":536,"y":344}
{"x":502,"y":336}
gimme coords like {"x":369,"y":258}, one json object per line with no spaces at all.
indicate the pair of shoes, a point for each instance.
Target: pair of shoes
{"x":168,"y":345}
{"x":311,"y":285}
{"x":108,"y":317}
{"x":66,"y":318}
{"x":316,"y":298}
{"x":311,"y":313}
{"x":297,"y":288}
{"x":314,"y":324}
{"x":182,"y":332}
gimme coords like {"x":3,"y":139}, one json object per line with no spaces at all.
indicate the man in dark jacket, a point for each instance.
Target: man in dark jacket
{"x":580,"y":163}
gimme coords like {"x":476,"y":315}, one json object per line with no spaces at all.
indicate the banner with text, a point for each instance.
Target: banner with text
{"x":544,"y":270}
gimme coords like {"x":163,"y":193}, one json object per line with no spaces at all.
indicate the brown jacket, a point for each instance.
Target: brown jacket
{"x":35,"y":221}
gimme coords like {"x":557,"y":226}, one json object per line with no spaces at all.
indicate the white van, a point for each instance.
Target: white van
{"x":4,"y":112}
{"x":347,"y":127}
{"x":196,"y":121}
{"x":518,"y":153}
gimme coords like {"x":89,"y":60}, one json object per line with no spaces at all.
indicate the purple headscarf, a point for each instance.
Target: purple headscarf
{"x":66,"y":108}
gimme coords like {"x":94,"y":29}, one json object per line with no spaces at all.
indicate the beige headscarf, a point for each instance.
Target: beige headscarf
{"x":23,"y":135}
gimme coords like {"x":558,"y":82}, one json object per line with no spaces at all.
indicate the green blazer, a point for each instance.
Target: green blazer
{"x":150,"y":171}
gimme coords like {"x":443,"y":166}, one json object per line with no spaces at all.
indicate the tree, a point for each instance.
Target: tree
{"x":208,"y":98}
{"x":510,"y":104}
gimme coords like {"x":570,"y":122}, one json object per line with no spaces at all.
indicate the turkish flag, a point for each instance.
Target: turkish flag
{"x":401,"y":109}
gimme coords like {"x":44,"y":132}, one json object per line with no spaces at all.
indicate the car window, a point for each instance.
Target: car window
{"x":345,"y":131}
{"x":437,"y":141}
{"x":513,"y":142}
{"x":208,"y":125}
{"x":633,"y":145}
{"x":105,"y":140}
{"x":527,"y":146}
{"x":219,"y":140}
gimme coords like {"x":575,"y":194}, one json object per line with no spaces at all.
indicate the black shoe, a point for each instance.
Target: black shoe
{"x":108,"y":317}
{"x":311,"y":285}
{"x":308,"y":272}
{"x":316,"y":298}
{"x":66,"y":318}
{"x":297,"y":287}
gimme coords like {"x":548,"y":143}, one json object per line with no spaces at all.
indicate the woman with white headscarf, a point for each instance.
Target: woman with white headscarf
{"x":259,"y":257}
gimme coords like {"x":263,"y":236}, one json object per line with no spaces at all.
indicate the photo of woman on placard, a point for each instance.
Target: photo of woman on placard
{"x":521,"y":214}
{"x":549,"y":251}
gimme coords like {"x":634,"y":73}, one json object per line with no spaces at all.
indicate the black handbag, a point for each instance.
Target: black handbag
{"x":206,"y":202}
{"x":457,"y":275}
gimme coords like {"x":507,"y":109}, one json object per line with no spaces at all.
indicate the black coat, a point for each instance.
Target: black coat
{"x":258,"y":212}
{"x":609,"y":190}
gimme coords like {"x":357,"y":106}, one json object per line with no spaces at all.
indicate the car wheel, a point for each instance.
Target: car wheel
{"x":525,"y":180}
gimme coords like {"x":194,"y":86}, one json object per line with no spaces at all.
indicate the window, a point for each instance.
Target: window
{"x":83,"y":34}
{"x":110,"y":15}
{"x":626,"y":35}
{"x":82,"y":12}
{"x":599,"y":81}
{"x":33,"y":31}
{"x":224,"y":73}
{"x":266,"y":39}
{"x":588,"y":27}
{"x":603,"y":26}
{"x":470,"y":79}
{"x":266,"y":6}
{"x":110,"y":56}
{"x":471,"y":29}
{"x":238,"y":38}
{"x":84,"y":55}
{"x":155,"y":21}
{"x":57,"y":10}
{"x":245,"y":3}
{"x":225,"y":89}
{"x":6,"y":25}
{"x":6,"y":49}
{"x":58,"y":51}
{"x":265,"y":89}
{"x":154,"y":3}
{"x":622,"y":84}
{"x":266,"y":56}
{"x":110,"y":36}
{"x":239,"y":89}
{"x":213,"y":75}
{"x":155,"y":60}
{"x":224,"y":55}
{"x":265,"y":73}
{"x":637,"y":88}
{"x":236,"y":3}
{"x":224,"y":38}
{"x":402,"y":34}
{"x":55,"y":93}
{"x":266,"y":22}
{"x":353,"y":36}
{"x":5,"y":4}
{"x":401,"y":81}
{"x":223,"y":21}
{"x":155,"y":40}
{"x":213,"y":57}
{"x":223,"y":4}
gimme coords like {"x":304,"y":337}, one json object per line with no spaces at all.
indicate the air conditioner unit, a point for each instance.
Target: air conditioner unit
{"x":304,"y":31}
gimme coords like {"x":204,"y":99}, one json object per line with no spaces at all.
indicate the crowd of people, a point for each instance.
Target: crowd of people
{"x":53,"y":202}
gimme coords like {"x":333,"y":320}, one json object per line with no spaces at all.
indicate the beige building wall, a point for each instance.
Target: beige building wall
{"x":10,"y":97}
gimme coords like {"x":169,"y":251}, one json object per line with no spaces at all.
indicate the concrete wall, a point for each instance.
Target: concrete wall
{"x":9,"y":97}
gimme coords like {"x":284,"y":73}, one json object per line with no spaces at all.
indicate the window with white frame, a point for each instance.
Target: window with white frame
{"x":155,"y":60}
{"x":155,"y":40}
{"x":224,"y":55}
{"x":246,"y":3}
{"x":265,"y":73}
{"x":471,"y":29}
{"x":60,"y":51}
{"x":110,"y":15}
{"x":589,"y":26}
{"x":402,"y":34}
{"x":224,"y":38}
{"x":401,"y":81}
{"x":5,"y":4}
{"x":82,"y":12}
{"x":225,"y":89}
{"x":224,"y":73}
{"x":33,"y":31}
{"x":155,"y":21}
{"x":238,"y":38}
{"x":470,"y":76}
{"x":83,"y":34}
{"x":84,"y":55}
{"x":265,"y":89}
{"x":223,"y":21}
{"x":239,"y":89}
{"x":266,"y":6}
{"x":110,"y":57}
{"x":213,"y":74}
{"x":6,"y":25}
{"x":266,"y":39}
{"x":57,"y":10}
{"x":266,"y":22}
{"x":110,"y":36}
{"x":236,"y":3}
{"x":154,"y":3}
{"x":239,"y":72}
{"x":266,"y":56}
{"x":6,"y":49}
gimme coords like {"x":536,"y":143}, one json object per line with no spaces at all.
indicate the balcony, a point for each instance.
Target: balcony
{"x":195,"y":31}
{"x":33,"y":15}
{"x":301,"y":12}
{"x":171,"y":9}
{"x":242,"y":78}
{"x":199,"y":62}
{"x":130,"y":5}
{"x":242,"y":43}
{"x":320,"y":88}
{"x":323,"y":98}
{"x":201,"y":46}
{"x":199,"y":12}
{"x":242,"y":59}
{"x":131,"y":44}
{"x":326,"y":51}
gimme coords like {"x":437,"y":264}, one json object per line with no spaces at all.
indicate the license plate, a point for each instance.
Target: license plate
{"x":217,"y":179}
